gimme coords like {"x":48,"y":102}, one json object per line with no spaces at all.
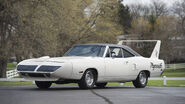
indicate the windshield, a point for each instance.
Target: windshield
{"x":86,"y":50}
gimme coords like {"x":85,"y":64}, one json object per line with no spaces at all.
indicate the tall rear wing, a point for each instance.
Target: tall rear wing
{"x":156,"y":50}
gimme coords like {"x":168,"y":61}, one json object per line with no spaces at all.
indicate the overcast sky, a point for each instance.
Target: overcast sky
{"x":168,"y":2}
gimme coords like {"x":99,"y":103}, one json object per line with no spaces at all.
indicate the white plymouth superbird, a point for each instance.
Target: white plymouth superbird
{"x":93,"y":64}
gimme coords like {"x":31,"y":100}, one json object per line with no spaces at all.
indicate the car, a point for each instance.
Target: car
{"x":92,"y":65}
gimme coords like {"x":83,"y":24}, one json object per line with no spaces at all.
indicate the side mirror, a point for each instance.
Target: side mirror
{"x":113,"y":54}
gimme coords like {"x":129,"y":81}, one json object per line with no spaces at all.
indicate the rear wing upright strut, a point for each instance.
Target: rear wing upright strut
{"x":156,"y":50}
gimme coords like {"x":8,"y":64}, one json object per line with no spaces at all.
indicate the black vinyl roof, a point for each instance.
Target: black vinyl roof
{"x":115,"y":45}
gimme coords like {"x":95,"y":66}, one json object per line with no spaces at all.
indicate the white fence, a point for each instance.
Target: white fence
{"x":175,"y":66}
{"x":12,"y":73}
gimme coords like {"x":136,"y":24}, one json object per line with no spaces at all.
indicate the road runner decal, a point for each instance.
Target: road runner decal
{"x":152,"y":65}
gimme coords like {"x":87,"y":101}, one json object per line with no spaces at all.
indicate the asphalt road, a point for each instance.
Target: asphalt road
{"x":63,"y":94}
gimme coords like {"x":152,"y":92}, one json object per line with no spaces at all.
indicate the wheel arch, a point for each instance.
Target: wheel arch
{"x":147,"y":72}
{"x":93,"y":69}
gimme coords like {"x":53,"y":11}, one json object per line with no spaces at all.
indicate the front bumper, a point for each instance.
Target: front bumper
{"x":47,"y":71}
{"x":37,"y":72}
{"x":38,"y":76}
{"x":41,"y":75}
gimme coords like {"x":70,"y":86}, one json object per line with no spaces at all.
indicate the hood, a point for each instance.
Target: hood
{"x":54,"y":59}
{"x":65,"y":59}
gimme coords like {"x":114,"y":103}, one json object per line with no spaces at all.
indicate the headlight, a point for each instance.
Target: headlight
{"x":26,"y":67}
{"x":45,"y":68}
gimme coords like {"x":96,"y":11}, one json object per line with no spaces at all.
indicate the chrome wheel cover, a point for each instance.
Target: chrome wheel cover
{"x":142,"y":78}
{"x":89,"y":78}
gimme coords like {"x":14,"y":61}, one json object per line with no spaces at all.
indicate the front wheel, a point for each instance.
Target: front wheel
{"x":141,"y":81}
{"x":88,"y":80}
{"x":43,"y":84}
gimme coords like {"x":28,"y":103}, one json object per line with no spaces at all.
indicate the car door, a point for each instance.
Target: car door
{"x":131,"y":69}
{"x":116,"y":66}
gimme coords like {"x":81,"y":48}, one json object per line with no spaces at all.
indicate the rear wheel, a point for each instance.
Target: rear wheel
{"x":88,"y":80}
{"x":141,"y":81}
{"x":43,"y":84}
{"x":101,"y":85}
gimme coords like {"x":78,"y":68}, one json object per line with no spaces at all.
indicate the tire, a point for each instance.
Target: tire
{"x":141,"y":81}
{"x":101,"y":85}
{"x":88,"y":80}
{"x":43,"y":84}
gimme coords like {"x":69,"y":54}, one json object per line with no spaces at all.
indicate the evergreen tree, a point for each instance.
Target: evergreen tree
{"x":125,"y":18}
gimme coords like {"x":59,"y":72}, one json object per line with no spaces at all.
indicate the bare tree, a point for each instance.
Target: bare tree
{"x":159,"y":8}
{"x":139,"y":10}
{"x":50,"y":27}
{"x":179,"y":10}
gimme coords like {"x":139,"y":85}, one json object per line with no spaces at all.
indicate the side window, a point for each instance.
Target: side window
{"x":127,"y":53}
{"x":117,"y":51}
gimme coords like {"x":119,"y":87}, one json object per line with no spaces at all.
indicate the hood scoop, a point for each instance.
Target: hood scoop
{"x":57,"y":60}
{"x":41,"y":59}
{"x":44,"y":57}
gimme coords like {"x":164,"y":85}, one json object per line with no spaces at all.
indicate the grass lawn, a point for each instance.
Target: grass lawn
{"x":16,"y":83}
{"x":170,"y":83}
{"x":10,"y":66}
